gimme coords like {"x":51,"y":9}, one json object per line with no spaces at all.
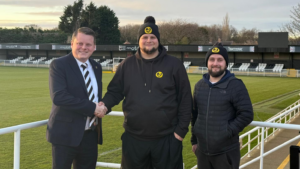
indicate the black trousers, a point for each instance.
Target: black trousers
{"x":82,"y":157}
{"x":228,"y":160}
{"x":163,"y":153}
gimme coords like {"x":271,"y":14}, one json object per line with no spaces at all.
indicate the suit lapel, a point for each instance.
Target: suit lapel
{"x":77,"y":72}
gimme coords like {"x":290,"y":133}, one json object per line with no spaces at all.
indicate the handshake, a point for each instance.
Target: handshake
{"x":100,"y":110}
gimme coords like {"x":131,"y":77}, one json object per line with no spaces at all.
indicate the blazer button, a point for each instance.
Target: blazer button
{"x":84,"y":118}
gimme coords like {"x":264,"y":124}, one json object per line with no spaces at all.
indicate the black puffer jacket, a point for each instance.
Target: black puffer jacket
{"x":221,"y":111}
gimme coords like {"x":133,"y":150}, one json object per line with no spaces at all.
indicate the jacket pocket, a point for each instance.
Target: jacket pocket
{"x":219,"y":137}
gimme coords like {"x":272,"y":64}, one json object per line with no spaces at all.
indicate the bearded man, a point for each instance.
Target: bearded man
{"x":222,"y":108}
{"x":157,"y":103}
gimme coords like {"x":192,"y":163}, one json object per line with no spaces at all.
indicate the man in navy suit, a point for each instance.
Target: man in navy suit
{"x":74,"y":126}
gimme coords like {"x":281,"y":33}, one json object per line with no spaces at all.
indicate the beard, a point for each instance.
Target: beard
{"x":216,"y":74}
{"x":151,"y":51}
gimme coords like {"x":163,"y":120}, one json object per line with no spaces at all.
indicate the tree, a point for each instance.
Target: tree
{"x":107,"y":31}
{"x":294,"y":26}
{"x":87,"y":16}
{"x":129,"y":33}
{"x":214,"y":33}
{"x":32,"y":34}
{"x":177,"y":32}
{"x":71,"y":19}
{"x":246,"y":36}
{"x":100,"y":19}
{"x":225,"y":28}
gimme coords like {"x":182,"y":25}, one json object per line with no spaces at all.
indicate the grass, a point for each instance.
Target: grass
{"x":282,"y":105}
{"x":24,"y":98}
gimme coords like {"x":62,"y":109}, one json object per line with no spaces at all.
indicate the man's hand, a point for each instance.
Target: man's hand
{"x":194,"y":148}
{"x":178,"y":137}
{"x":100,"y":110}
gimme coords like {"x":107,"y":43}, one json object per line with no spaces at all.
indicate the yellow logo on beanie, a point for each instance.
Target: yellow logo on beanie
{"x":148,"y":30}
{"x":159,"y":74}
{"x":215,"y":50}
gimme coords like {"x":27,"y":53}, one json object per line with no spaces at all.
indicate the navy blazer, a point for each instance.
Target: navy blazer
{"x":71,"y":104}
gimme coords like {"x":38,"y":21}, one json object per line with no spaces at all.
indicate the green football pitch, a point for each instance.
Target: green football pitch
{"x":24,"y":98}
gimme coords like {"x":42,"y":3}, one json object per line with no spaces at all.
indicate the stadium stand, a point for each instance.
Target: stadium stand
{"x":39,"y":60}
{"x":270,"y":66}
{"x":49,"y":61}
{"x":230,"y":65}
{"x":244,"y":66}
{"x":236,"y":65}
{"x":253,"y":65}
{"x":261,"y":67}
{"x":278,"y":67}
{"x":106,"y":62}
{"x":97,"y":60}
{"x":28,"y":59}
{"x":187,"y":64}
{"x":16,"y":59}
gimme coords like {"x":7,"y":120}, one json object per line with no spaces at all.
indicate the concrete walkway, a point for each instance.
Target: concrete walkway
{"x":277,"y":159}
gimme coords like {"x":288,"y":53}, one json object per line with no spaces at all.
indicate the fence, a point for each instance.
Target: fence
{"x":39,"y":64}
{"x":258,"y":135}
{"x":252,"y":137}
{"x":250,"y":72}
{"x":190,"y":69}
{"x":17,"y":140}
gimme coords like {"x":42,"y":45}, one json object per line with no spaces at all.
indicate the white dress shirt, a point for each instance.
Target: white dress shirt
{"x":93,"y":83}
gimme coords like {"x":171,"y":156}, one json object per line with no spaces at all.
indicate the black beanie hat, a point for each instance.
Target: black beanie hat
{"x":149,"y":27}
{"x":217,"y":49}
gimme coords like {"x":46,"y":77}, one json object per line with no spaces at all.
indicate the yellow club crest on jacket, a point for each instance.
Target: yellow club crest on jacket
{"x":148,"y":30}
{"x":215,"y":50}
{"x":159,"y":74}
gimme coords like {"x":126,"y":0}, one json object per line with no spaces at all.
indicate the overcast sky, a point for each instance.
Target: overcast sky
{"x":264,"y":15}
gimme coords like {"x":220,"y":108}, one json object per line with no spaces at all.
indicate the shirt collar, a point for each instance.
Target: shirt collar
{"x":80,"y":63}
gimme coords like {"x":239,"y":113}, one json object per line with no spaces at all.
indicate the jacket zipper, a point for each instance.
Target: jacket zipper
{"x":207,"y":120}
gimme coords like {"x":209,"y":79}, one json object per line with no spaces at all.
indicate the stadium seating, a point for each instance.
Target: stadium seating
{"x":270,"y":66}
{"x":49,"y":61}
{"x":253,"y":65}
{"x":16,"y":59}
{"x":39,"y":60}
{"x":261,"y":67}
{"x":230,"y":65}
{"x":97,"y":60}
{"x":106,"y":62}
{"x":244,"y":66}
{"x":236,"y":65}
{"x":278,"y":67}
{"x":187,"y":64}
{"x":28,"y":59}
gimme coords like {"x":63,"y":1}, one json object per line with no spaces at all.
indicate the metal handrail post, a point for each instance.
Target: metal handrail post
{"x":262,"y":148}
{"x":17,"y":141}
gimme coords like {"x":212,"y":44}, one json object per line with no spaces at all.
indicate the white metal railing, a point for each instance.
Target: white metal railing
{"x":250,"y":72}
{"x":274,"y":124}
{"x":264,"y":125}
{"x":17,"y":139}
{"x":189,"y":69}
{"x":284,"y":116}
{"x":28,"y":63}
{"x":44,"y":64}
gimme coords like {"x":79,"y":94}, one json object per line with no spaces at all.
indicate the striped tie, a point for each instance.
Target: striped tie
{"x":87,"y":80}
{"x":90,"y":92}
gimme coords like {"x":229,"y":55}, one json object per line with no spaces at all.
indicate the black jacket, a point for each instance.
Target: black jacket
{"x":221,"y":111}
{"x":157,"y":93}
